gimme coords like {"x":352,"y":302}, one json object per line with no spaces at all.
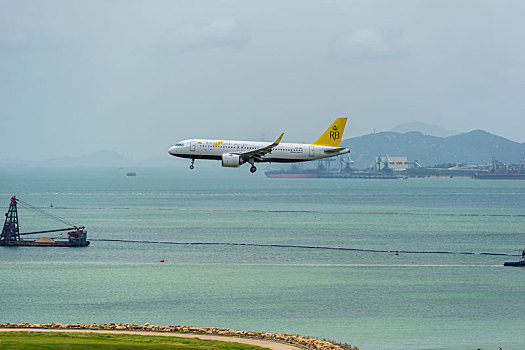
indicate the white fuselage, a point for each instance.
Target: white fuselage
{"x":282,"y":153}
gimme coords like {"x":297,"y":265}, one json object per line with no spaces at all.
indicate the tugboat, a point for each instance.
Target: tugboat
{"x":517,"y":263}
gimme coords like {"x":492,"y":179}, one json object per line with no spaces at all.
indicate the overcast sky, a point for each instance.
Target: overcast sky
{"x":137,"y":76}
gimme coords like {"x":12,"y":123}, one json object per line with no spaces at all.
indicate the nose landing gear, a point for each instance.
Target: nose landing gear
{"x":192,"y":166}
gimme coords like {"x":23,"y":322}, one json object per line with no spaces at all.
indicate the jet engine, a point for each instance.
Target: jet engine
{"x":231,"y":160}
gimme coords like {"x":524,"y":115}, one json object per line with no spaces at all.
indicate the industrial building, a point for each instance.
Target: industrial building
{"x":392,"y":163}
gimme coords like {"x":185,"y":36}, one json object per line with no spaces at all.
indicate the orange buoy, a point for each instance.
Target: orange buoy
{"x":397,"y":253}
{"x":161,"y":260}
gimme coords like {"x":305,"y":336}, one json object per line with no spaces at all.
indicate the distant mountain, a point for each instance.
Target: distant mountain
{"x":474,"y":147}
{"x":424,"y":128}
{"x":104,"y":158}
{"x":160,"y":161}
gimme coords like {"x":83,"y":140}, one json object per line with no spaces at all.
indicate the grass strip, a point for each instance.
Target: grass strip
{"x":81,"y":341}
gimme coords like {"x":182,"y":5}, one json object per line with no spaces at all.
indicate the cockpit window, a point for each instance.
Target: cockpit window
{"x":179,"y":145}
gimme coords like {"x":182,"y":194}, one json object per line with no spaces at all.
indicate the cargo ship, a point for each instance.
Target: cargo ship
{"x":296,"y":173}
{"x":318,"y":173}
{"x":499,"y":171}
{"x":362,"y":175}
{"x":483,"y":175}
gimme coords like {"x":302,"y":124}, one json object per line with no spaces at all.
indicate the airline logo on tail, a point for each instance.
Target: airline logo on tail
{"x":332,"y":136}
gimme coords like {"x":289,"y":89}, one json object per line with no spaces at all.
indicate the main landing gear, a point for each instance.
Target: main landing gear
{"x":192,"y":166}
{"x":252,"y":162}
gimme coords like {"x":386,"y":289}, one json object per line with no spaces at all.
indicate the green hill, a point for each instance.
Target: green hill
{"x":474,"y":147}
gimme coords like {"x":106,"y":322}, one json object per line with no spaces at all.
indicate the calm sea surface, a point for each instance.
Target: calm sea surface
{"x":286,"y":277}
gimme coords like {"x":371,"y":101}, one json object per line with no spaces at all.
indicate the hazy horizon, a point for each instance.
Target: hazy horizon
{"x":135,"y":77}
{"x":471,"y":154}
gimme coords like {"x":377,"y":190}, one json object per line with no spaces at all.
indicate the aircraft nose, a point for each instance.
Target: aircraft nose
{"x":172,"y":150}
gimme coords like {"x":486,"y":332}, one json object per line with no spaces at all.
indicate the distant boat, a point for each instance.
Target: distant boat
{"x":131,"y":174}
{"x":516,"y":263}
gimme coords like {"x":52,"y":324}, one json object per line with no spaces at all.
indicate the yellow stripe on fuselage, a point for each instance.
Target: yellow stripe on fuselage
{"x":218,"y":143}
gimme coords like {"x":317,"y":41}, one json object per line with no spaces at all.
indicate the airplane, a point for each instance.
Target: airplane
{"x":233,"y":154}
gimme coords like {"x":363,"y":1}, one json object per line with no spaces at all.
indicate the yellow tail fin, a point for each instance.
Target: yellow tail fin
{"x":333,"y":135}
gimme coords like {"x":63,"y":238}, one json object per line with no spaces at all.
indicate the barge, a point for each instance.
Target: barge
{"x":76,"y":235}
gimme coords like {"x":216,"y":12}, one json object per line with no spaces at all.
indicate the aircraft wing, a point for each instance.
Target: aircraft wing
{"x":259,"y":152}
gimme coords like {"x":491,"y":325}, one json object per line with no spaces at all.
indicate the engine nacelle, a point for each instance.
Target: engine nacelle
{"x":231,"y":160}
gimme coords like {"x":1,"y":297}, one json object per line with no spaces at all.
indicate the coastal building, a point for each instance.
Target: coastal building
{"x":392,"y":163}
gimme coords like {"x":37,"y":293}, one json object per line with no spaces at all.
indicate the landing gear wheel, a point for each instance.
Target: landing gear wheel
{"x":253,"y":169}
{"x":191,"y":166}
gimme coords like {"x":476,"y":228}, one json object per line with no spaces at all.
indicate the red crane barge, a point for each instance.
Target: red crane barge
{"x":76,"y":237}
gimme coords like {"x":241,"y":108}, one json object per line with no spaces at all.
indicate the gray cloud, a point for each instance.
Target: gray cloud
{"x":362,"y":44}
{"x":135,"y":76}
{"x":218,"y":32}
{"x":21,"y":41}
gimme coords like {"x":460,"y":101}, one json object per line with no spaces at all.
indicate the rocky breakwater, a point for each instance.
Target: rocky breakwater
{"x":300,"y":341}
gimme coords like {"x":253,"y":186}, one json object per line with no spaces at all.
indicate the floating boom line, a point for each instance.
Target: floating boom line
{"x":304,"y":247}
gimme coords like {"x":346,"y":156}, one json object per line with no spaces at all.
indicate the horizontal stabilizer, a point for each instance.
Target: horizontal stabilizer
{"x":334,"y":150}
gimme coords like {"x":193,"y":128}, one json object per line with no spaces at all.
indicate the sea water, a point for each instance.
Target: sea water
{"x":314,"y":257}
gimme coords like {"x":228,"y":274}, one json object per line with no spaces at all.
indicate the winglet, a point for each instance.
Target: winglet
{"x":332,"y":136}
{"x":277,"y":141}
